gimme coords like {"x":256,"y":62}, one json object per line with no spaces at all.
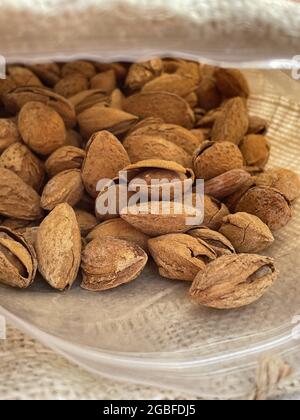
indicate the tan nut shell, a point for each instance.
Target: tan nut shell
{"x":246,"y":232}
{"x":19,"y":159}
{"x":270,"y":205}
{"x":86,"y":221}
{"x":216,"y":241}
{"x":105,"y":157}
{"x":71,"y":85}
{"x":41,"y":128}
{"x":106,"y":81}
{"x":141,"y":73}
{"x":255,"y":149}
{"x":232,"y":123}
{"x":49,"y":73}
{"x":233,"y":281}
{"x":283,"y":180}
{"x":144,"y":147}
{"x":214,"y":211}
{"x":179,"y":256}
{"x":65,"y":187}
{"x":213,"y":159}
{"x":18,"y":199}
{"x":82,"y":67}
{"x":161,"y":218}
{"x":169,"y":107}
{"x":173,"y":83}
{"x":173,"y":133}
{"x":100,"y":117}
{"x":118,"y":228}
{"x":17,"y":98}
{"x":18,"y":262}
{"x":23,"y":76}
{"x":58,"y":247}
{"x":9,"y":133}
{"x":231,"y":83}
{"x":110,"y":262}
{"x":64,"y":158}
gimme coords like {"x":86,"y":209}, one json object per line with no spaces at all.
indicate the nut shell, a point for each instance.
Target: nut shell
{"x":255,"y":149}
{"x":213,"y":159}
{"x":9,"y":133}
{"x":283,"y":180}
{"x":231,"y":83}
{"x":110,"y":262}
{"x":18,"y":262}
{"x":58,"y":247}
{"x":246,"y":232}
{"x":64,"y":158}
{"x":41,"y":128}
{"x":233,"y":281}
{"x":179,"y":256}
{"x":105,"y":157}
{"x":270,"y":205}
{"x":216,"y":241}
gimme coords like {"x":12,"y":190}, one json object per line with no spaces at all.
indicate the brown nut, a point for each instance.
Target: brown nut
{"x":232,"y":123}
{"x":141,"y":73}
{"x":257,"y":125}
{"x":181,"y":85}
{"x":65,"y":187}
{"x":82,"y":67}
{"x":179,"y":256}
{"x":161,"y":217}
{"x":23,"y":76}
{"x":112,"y":198}
{"x":86,"y":221}
{"x":174,"y":133}
{"x":118,"y":228}
{"x":41,"y":128}
{"x":214,"y":211}
{"x":255,"y":149}
{"x":19,"y":159}
{"x":58,"y":247}
{"x":64,"y":158}
{"x":49,"y":73}
{"x":144,"y":147}
{"x":9,"y":133}
{"x":106,"y":81}
{"x":208,"y":95}
{"x":283,"y":180}
{"x":105,"y":157}
{"x":247,"y":233}
{"x":233,"y":281}
{"x":19,"y":97}
{"x":18,"y":262}
{"x":71,"y":85}
{"x":100,"y":117}
{"x":88,"y":98}
{"x":231,"y":83}
{"x":171,"y":108}
{"x":232,"y":200}
{"x":213,"y":159}
{"x":270,"y":205}
{"x":18,"y":199}
{"x":226,"y":184}
{"x":217,"y":242}
{"x":110,"y":262}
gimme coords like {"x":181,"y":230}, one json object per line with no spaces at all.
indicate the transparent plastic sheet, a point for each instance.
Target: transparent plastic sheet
{"x":147,"y":331}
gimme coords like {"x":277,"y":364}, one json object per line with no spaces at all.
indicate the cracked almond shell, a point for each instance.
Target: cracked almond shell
{"x":179,"y":256}
{"x":214,"y":211}
{"x":171,"y":108}
{"x":110,"y":262}
{"x":18,"y":262}
{"x":214,"y":159}
{"x":270,"y":205}
{"x":141,"y":73}
{"x":246,"y":232}
{"x":216,"y":241}
{"x":65,"y":187}
{"x":233,"y":281}
{"x":58,"y":247}
{"x":105,"y":157}
{"x":161,"y":217}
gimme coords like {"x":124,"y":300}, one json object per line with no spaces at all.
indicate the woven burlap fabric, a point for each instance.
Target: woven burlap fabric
{"x":29,"y":370}
{"x":231,"y":31}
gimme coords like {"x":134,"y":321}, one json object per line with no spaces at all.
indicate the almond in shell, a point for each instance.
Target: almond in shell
{"x":64,"y":158}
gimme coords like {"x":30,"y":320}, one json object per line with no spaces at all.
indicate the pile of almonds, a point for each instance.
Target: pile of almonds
{"x":65,"y":126}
